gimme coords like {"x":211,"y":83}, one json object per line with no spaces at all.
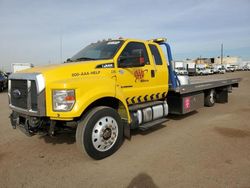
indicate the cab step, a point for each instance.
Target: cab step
{"x":148,"y":125}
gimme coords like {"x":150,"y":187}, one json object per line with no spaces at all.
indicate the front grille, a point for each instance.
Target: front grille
{"x":27,"y":94}
{"x":20,"y":96}
{"x":19,"y":93}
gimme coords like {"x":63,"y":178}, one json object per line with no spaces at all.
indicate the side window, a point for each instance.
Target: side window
{"x":135,"y":49}
{"x":156,"y":54}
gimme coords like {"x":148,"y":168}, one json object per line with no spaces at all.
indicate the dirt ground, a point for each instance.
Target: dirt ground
{"x":208,"y":148}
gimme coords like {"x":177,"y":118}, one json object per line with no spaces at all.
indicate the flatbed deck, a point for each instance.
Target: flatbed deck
{"x":201,"y":85}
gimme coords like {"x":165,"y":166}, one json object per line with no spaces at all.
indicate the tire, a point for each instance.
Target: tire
{"x":1,"y":87}
{"x":210,"y":98}
{"x":100,"y":133}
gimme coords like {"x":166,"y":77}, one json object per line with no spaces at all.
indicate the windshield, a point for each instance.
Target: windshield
{"x":99,"y":50}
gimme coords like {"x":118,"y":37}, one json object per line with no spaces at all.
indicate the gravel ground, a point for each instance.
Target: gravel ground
{"x":207,"y":148}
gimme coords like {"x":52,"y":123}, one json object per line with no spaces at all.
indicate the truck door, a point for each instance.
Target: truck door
{"x":134,"y":81}
{"x":137,"y":83}
{"x":159,"y":62}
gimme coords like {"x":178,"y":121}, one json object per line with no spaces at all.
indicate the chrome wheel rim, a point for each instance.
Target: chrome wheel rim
{"x":105,"y":133}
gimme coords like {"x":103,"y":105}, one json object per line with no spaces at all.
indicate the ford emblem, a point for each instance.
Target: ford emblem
{"x":16,"y":93}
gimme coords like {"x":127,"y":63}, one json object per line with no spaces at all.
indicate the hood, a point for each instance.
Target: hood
{"x":70,"y":70}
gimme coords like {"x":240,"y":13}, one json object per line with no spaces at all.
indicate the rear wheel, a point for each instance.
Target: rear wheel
{"x":100,"y":133}
{"x":210,"y":98}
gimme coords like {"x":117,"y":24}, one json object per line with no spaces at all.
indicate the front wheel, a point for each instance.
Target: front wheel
{"x":100,"y":133}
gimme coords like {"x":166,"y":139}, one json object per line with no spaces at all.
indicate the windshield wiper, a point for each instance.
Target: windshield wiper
{"x":83,"y":58}
{"x":68,"y":60}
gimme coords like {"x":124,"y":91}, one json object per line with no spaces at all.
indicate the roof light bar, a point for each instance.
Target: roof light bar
{"x":158,"y":40}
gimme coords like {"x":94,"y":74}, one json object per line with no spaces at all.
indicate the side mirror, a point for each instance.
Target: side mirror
{"x":131,"y":61}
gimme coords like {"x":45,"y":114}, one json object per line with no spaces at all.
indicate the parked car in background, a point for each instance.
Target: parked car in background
{"x":218,"y":68}
{"x":201,"y":71}
{"x":230,"y":68}
{"x":181,"y":71}
{"x":222,"y":70}
{"x":191,"y":68}
{"x":246,"y":67}
{"x":209,"y":71}
{"x":3,"y":81}
{"x":236,"y":67}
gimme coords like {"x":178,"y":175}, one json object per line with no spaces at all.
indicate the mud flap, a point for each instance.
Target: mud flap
{"x":126,"y":129}
{"x":222,"y":95}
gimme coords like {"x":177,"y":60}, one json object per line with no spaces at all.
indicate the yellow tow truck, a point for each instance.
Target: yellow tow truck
{"x":107,"y":89}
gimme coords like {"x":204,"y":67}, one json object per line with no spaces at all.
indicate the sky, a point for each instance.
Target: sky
{"x":38,"y":31}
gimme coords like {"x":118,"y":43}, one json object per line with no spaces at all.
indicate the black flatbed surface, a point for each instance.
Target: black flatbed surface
{"x":203,"y":84}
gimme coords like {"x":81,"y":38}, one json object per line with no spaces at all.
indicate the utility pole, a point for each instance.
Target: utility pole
{"x":221,"y":54}
{"x":61,"y":47}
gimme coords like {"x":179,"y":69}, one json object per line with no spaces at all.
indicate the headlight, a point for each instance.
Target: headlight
{"x":63,"y":100}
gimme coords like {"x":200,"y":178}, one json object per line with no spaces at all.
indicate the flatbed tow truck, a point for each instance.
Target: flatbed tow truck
{"x":107,"y":89}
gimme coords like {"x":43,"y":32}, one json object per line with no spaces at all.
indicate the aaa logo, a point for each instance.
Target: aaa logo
{"x":139,"y":74}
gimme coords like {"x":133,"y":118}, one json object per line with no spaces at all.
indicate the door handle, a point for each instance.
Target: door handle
{"x":152,"y":73}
